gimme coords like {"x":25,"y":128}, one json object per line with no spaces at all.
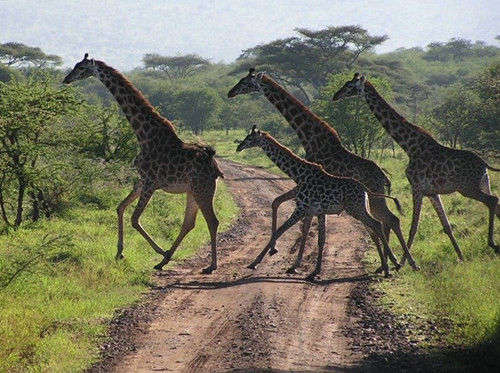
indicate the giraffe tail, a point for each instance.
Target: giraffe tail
{"x":396,"y":201}
{"x":491,"y":168}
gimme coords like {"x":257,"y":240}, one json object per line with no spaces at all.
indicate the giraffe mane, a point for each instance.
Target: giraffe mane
{"x":303,"y":107}
{"x":396,"y":114}
{"x":145,"y":102}
{"x":288,"y":151}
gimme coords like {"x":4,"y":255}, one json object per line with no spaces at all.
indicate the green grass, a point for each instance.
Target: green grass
{"x":53,"y":313}
{"x":225,"y":146}
{"x":465,"y":295}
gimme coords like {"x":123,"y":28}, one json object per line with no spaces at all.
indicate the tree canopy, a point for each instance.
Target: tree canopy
{"x":175,"y":67}
{"x":19,"y":54}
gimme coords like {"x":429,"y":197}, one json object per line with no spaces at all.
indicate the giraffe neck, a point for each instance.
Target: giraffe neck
{"x":283,"y":157}
{"x":314,"y":134}
{"x":145,"y":120}
{"x":410,"y":137}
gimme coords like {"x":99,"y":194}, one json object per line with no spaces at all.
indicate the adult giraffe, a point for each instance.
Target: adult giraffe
{"x":164,"y":161}
{"x":433,"y":169}
{"x":322,"y":145}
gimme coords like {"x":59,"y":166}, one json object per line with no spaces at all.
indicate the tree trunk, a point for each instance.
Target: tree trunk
{"x":20,"y":200}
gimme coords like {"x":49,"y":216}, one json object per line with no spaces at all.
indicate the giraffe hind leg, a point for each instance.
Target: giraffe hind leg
{"x":205,"y":202}
{"x":306,"y":225}
{"x":492,"y":203}
{"x":321,"y":246}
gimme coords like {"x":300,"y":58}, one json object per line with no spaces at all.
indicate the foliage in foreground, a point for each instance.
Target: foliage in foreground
{"x":59,"y":281}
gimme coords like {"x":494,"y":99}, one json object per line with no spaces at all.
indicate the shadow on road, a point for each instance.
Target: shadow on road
{"x":210,"y":285}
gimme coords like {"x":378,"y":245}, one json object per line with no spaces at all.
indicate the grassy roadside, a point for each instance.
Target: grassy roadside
{"x":59,"y":281}
{"x":463,"y":297}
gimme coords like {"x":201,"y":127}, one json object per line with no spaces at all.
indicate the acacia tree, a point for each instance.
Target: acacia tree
{"x":175,"y":67}
{"x":306,"y":60}
{"x":359,"y":130}
{"x":196,"y":108}
{"x":19,"y":54}
{"x":29,"y":136}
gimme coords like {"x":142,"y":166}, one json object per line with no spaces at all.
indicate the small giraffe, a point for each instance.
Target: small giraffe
{"x":317,"y":194}
{"x":164,"y":161}
{"x":434,"y":169}
{"x":322,"y":145}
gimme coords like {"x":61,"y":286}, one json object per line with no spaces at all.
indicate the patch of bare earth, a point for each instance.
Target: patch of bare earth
{"x":237,"y":319}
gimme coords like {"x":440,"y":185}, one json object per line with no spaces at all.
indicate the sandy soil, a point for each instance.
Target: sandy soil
{"x":237,"y":319}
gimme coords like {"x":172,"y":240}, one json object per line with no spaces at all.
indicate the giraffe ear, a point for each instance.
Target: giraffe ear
{"x":254,"y":127}
{"x":251,"y":71}
{"x":362,"y":79}
{"x":92,"y":61}
{"x":85,"y":56}
{"x":356,"y":76}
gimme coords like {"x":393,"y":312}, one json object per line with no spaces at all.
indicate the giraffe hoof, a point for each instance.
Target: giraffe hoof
{"x":415,"y":267}
{"x":379,"y":270}
{"x":251,"y":266}
{"x":208,"y":270}
{"x":291,"y":271}
{"x":387,"y":275}
{"x":272,"y":251}
{"x":119,"y":256}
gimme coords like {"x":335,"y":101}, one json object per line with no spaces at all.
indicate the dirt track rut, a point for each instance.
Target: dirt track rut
{"x":237,"y":319}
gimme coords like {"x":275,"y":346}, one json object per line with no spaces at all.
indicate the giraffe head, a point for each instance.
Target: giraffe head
{"x":82,"y":70}
{"x":248,"y":84}
{"x":353,"y":87}
{"x":252,"y":140}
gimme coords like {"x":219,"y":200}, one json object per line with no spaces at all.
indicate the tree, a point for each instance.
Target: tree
{"x":19,"y":54}
{"x":458,"y":49}
{"x":359,"y":130}
{"x":29,"y":138}
{"x":175,"y":67}
{"x":306,"y":60}
{"x":196,"y":108}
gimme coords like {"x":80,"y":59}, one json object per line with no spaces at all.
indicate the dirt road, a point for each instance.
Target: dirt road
{"x":237,"y":319}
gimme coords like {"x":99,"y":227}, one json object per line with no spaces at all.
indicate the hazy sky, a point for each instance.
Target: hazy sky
{"x":121,"y":32}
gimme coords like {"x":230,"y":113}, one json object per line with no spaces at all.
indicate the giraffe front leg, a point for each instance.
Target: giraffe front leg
{"x":294,"y":218}
{"x":417,"y":207}
{"x":146,"y":194}
{"x":120,"y":210}
{"x":438,"y":206}
{"x":187,"y":226}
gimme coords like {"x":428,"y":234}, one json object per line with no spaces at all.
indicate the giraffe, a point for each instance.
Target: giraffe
{"x":433,"y":168}
{"x":164,"y":161}
{"x":317,"y":194}
{"x":322,"y":145}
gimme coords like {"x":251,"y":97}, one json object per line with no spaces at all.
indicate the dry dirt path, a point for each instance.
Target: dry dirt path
{"x":237,"y":319}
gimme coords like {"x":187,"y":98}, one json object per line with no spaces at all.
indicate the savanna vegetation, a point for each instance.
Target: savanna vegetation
{"x":66,"y":155}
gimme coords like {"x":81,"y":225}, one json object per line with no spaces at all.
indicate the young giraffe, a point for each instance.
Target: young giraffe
{"x":164,"y":161}
{"x":322,"y":145}
{"x":317,"y":194}
{"x":434,"y":169}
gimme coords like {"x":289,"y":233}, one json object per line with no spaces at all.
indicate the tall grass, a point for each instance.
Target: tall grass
{"x":60,"y":281}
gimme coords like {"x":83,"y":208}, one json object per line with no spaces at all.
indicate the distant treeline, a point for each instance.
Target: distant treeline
{"x":54,"y":139}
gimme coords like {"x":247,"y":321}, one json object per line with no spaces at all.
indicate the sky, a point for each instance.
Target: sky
{"x":120,"y":32}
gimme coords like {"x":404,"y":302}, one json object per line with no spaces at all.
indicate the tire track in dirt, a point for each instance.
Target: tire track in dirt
{"x":237,"y":319}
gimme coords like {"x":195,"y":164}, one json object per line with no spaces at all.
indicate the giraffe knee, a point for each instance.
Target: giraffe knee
{"x":135,"y":222}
